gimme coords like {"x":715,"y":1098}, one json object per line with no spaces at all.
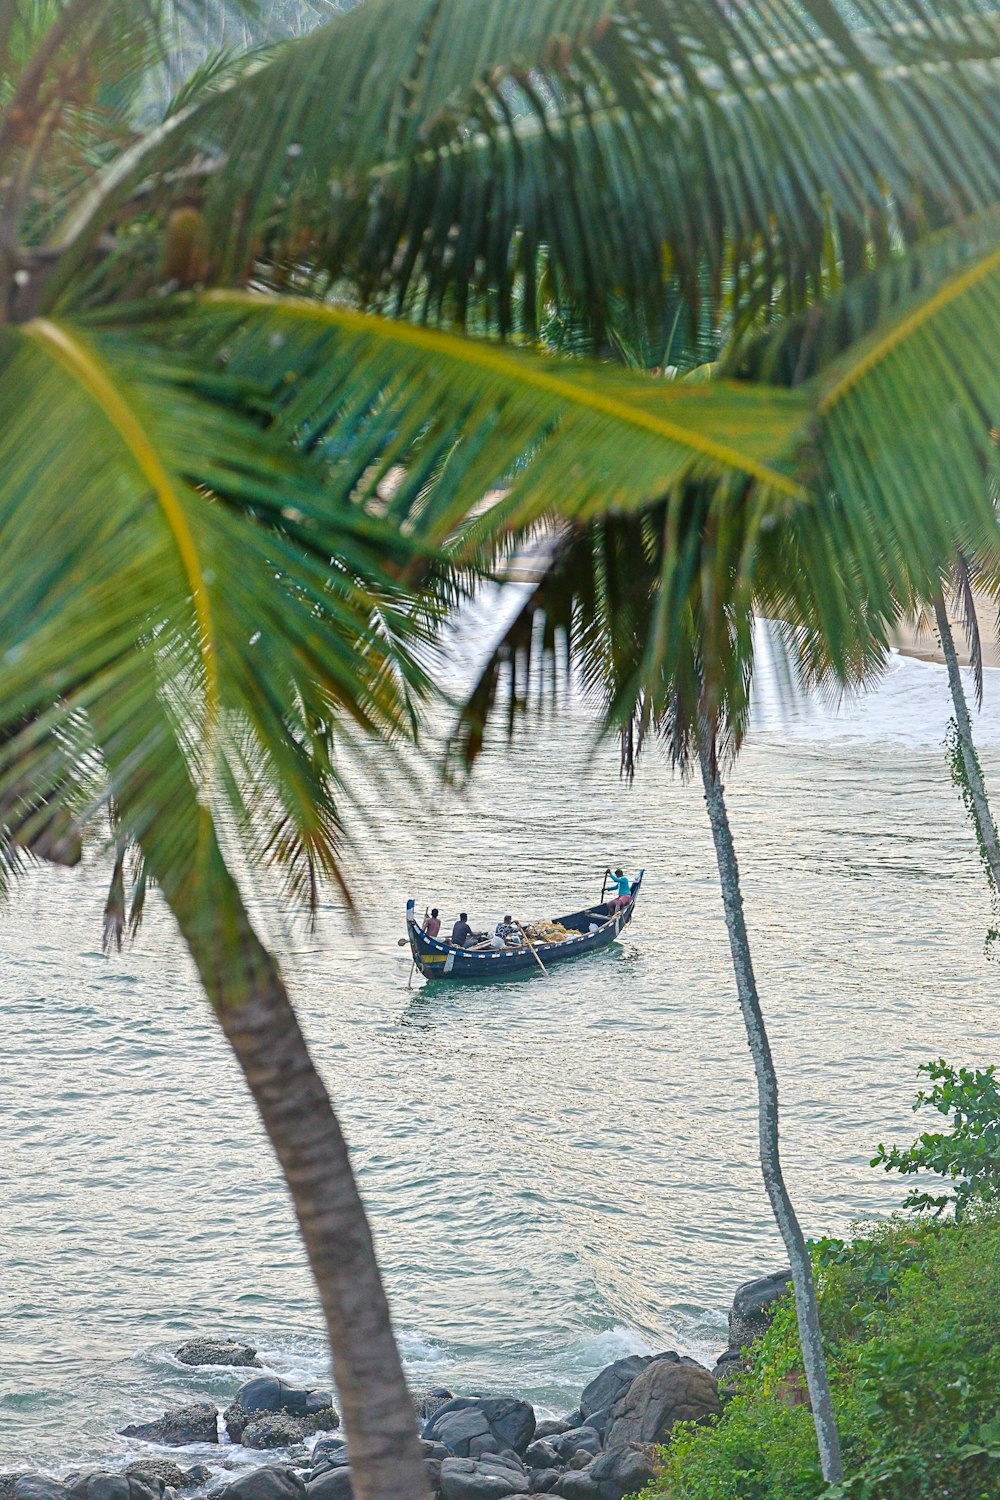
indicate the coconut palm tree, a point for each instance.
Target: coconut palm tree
{"x":233,"y":442}
{"x":657,"y":606}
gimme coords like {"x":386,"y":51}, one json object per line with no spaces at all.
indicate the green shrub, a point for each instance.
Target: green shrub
{"x":968,"y":1155}
{"x":911,"y":1313}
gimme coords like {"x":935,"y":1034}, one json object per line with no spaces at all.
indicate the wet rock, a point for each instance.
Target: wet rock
{"x":7,"y":1483}
{"x":328,"y":1453}
{"x":426,"y":1403}
{"x":105,"y":1486}
{"x":218,"y":1352}
{"x":754,"y":1306}
{"x":179,"y":1425}
{"x":273,"y":1483}
{"x":268,"y":1394}
{"x":169,"y":1474}
{"x":433,"y":1467}
{"x":491,"y":1477}
{"x":665,"y":1393}
{"x":38,"y":1487}
{"x":271,"y":1429}
{"x":430,"y":1449}
{"x":335,"y":1484}
{"x":472,"y":1426}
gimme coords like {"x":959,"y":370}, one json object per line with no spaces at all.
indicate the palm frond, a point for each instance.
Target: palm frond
{"x":193,"y":559}
{"x":419,"y":149}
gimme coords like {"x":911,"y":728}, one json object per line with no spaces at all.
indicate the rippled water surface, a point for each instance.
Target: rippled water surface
{"x":557,"y":1171}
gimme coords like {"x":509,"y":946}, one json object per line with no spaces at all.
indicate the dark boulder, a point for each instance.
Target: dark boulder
{"x":555,"y":1425}
{"x":576,"y":1486}
{"x":8,"y":1481}
{"x":329,"y":1453}
{"x":337,"y":1458}
{"x":576,"y":1440}
{"x":492,"y":1477}
{"x":327,"y":1446}
{"x":273,"y":1483}
{"x":335,"y":1484}
{"x":433,"y":1469}
{"x":268,"y":1394}
{"x":541,"y":1455}
{"x":622,"y":1471}
{"x":179,"y":1425}
{"x":611,"y":1476}
{"x":665,"y":1393}
{"x":430,"y":1449}
{"x":611,"y":1383}
{"x":475,"y":1425}
{"x":218,"y":1352}
{"x":543,"y":1480}
{"x":600,"y":1399}
{"x":38,"y":1487}
{"x":754,"y":1306}
{"x":729,"y":1364}
{"x":104,"y":1486}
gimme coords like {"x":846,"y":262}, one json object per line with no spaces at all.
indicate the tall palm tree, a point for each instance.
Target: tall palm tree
{"x":657,"y":605}
{"x":216,"y":494}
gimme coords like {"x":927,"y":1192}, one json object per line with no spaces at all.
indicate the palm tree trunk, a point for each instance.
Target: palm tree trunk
{"x":977,"y":801}
{"x":804,"y":1289}
{"x":253,"y":1008}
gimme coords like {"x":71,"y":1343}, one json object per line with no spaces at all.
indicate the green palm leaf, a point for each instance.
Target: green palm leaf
{"x":187,"y":560}
{"x":417,"y":147}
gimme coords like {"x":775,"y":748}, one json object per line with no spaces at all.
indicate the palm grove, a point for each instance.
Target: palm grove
{"x":270,"y":336}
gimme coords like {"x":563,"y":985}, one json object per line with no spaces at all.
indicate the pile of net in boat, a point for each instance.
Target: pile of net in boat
{"x":549,"y":932}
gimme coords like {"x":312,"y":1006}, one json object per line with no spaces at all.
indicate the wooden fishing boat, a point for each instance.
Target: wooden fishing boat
{"x":591,"y":928}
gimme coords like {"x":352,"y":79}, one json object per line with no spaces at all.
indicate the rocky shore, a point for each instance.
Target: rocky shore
{"x":476,"y":1446}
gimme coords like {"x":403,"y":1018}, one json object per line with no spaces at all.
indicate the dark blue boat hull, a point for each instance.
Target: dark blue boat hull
{"x":437,"y":959}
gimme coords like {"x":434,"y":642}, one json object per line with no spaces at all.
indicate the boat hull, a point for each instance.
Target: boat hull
{"x":437,"y":959}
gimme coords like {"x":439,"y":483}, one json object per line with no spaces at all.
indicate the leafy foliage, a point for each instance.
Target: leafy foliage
{"x":913,"y":1333}
{"x":967,"y":1156}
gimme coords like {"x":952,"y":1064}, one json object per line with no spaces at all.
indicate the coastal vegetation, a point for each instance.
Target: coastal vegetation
{"x":272,"y":398}
{"x":911,"y":1316}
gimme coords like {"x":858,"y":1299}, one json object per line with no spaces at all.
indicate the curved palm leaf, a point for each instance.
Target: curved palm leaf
{"x":415,"y":148}
{"x":187,"y":554}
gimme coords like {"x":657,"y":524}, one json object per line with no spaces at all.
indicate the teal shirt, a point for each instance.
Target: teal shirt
{"x":623,"y":883}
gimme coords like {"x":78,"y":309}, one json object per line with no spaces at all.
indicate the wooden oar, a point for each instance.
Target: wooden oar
{"x":534,"y":950}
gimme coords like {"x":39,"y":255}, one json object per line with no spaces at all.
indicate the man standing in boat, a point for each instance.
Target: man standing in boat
{"x":461,"y":933}
{"x":623,"y":892}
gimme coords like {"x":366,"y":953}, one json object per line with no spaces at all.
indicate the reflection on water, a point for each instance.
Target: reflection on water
{"x":559,"y":1170}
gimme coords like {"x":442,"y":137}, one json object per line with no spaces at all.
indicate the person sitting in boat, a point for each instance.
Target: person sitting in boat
{"x":432,"y":924}
{"x":461,"y":933}
{"x":506,"y":932}
{"x":624,"y":890}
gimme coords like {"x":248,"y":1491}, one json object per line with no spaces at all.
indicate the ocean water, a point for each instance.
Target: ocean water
{"x":557,"y":1171}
